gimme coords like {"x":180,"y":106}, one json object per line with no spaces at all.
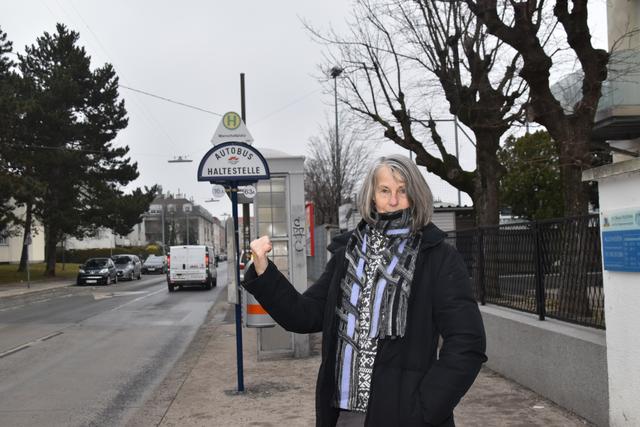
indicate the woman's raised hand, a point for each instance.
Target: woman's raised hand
{"x":260,"y":248}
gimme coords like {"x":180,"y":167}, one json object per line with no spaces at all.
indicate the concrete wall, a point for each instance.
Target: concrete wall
{"x":618,"y":186}
{"x":565,"y":363}
{"x":623,"y":16}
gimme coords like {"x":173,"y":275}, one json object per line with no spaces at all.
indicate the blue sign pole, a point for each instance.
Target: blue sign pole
{"x":231,"y":163}
{"x":234,"y":210}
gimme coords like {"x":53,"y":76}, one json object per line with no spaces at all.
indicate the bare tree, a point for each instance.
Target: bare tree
{"x":402,"y":56}
{"x":522,"y":25}
{"x":325,"y":176}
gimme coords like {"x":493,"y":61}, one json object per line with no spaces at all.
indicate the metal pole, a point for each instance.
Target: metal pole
{"x":335,"y":100}
{"x":539,"y":271}
{"x":187,"y":215}
{"x":480,"y":255}
{"x":338,"y":178}
{"x":28,"y":271}
{"x":162,"y":216}
{"x":234,"y":210}
{"x":243,"y":112}
{"x":335,"y":72}
{"x":246,"y":213}
{"x":455,"y":123}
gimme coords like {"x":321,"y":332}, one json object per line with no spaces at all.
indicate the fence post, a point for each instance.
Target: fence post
{"x":481,"y":282}
{"x":540,"y":297}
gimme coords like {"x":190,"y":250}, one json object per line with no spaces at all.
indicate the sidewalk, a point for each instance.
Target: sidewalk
{"x":281,"y":392}
{"x":201,"y":388}
{"x":21,"y":288}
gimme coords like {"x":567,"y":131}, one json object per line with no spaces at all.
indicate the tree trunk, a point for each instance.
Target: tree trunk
{"x":573,"y":300}
{"x":27,"y":233}
{"x":573,"y":159}
{"x":486,"y":202}
{"x":50,"y":251}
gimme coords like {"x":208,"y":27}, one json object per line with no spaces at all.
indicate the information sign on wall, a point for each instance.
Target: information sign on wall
{"x":621,"y":240}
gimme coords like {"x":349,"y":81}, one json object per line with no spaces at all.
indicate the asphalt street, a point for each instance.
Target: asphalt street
{"x":84,"y":356}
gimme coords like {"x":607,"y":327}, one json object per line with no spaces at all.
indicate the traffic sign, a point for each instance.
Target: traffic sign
{"x":233,"y":162}
{"x":231,"y":128}
{"x":217,"y":191}
{"x":249,"y":191}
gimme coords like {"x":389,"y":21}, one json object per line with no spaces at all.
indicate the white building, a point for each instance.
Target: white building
{"x":104,"y":238}
{"x":183,"y":222}
{"x":11,"y":247}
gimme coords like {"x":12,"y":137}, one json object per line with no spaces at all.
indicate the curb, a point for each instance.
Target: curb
{"x":21,"y":289}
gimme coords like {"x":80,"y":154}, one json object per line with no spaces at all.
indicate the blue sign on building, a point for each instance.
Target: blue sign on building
{"x":621,"y":240}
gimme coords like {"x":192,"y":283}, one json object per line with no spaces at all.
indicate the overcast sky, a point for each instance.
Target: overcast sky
{"x":193,"y":52}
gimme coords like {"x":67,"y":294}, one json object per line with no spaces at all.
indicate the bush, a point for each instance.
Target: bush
{"x":81,"y":255}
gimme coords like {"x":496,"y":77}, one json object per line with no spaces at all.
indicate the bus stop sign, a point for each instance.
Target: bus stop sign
{"x":233,"y":162}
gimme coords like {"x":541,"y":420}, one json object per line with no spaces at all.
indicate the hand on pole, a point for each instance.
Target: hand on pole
{"x":260,"y":248}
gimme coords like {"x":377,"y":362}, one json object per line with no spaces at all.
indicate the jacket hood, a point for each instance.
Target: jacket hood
{"x":431,"y":236}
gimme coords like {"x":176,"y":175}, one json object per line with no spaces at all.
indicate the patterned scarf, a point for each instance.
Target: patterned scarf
{"x":389,"y":294}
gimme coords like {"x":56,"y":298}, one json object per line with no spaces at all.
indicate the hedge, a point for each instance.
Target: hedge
{"x":81,"y":255}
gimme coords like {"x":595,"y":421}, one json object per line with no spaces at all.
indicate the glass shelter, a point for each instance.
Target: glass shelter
{"x":279,"y":212}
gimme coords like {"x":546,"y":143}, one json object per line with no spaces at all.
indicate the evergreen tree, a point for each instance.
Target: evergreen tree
{"x":531,"y":186}
{"x":73,"y":117}
{"x":8,"y":118}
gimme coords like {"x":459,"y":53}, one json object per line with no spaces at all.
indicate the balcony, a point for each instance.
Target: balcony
{"x":618,"y":114}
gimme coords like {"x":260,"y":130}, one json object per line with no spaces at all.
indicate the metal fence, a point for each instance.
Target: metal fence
{"x":551,"y":268}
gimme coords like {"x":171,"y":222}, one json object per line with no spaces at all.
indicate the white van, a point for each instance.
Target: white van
{"x":191,"y":265}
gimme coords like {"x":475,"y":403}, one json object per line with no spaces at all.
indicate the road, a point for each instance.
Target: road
{"x":90,"y":356}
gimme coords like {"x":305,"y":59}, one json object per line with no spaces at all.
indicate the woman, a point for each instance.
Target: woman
{"x":390,"y":290}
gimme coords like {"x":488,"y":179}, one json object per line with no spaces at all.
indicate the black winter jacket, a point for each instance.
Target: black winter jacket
{"x":411,"y":384}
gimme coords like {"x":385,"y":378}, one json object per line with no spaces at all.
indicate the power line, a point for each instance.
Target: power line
{"x":146,"y":113}
{"x":171,"y":100}
{"x":295,"y":101}
{"x":45,"y":147}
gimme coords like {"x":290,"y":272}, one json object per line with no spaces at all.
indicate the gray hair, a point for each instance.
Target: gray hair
{"x":418,"y":191}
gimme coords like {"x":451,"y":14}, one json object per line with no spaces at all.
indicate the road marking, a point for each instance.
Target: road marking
{"x":137,"y":299}
{"x":102,"y":295}
{"x":13,"y":307}
{"x":29,"y":344}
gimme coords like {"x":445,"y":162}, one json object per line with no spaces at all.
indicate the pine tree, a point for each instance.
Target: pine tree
{"x":74,"y":115}
{"x":8,"y":117}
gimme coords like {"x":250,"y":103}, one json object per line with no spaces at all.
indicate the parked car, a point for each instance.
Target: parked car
{"x":191,"y":265}
{"x":98,"y":271}
{"x":245,"y":261}
{"x":154,"y":264}
{"x":128,"y":266}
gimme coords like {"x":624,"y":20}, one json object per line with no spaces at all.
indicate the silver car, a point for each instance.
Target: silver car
{"x":128,"y":266}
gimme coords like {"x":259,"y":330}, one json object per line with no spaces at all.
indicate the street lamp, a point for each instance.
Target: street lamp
{"x":224,"y":227}
{"x":186,"y":208}
{"x":162,"y":218}
{"x":335,"y":72}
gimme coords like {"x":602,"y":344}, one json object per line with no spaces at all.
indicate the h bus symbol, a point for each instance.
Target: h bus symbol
{"x":231,"y":121}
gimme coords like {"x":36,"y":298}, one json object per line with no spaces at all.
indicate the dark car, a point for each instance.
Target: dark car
{"x":154,"y":264}
{"x":128,"y":266}
{"x":97,"y":271}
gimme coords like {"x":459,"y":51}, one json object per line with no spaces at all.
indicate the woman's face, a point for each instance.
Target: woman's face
{"x":390,"y":193}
